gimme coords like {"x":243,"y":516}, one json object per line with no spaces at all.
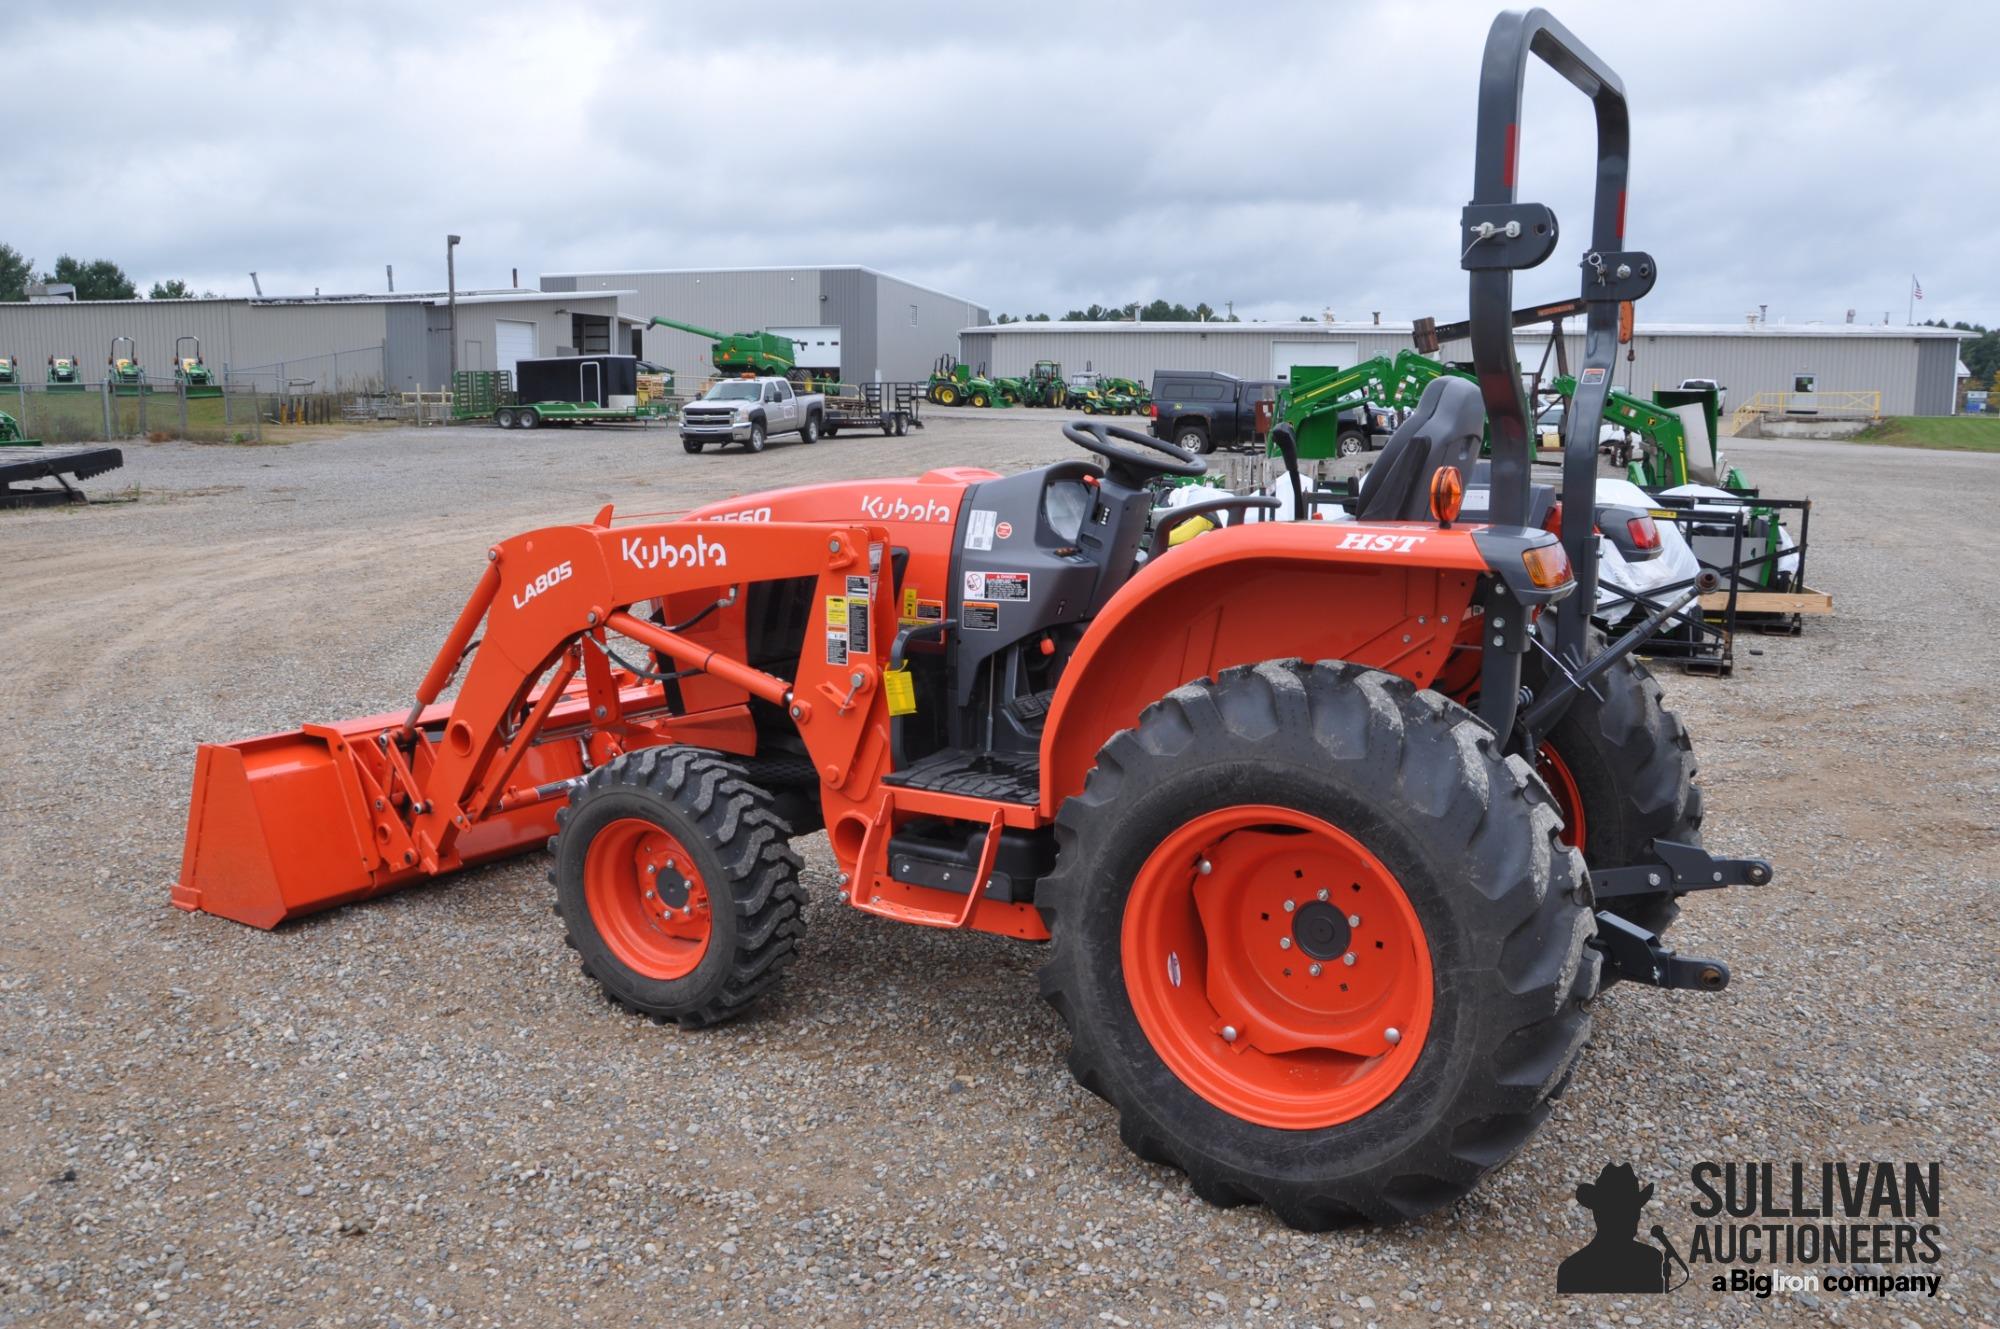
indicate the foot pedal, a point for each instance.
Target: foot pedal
{"x":1031,"y":708}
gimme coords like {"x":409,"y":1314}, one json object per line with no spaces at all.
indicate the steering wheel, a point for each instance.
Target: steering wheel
{"x":1135,"y":463}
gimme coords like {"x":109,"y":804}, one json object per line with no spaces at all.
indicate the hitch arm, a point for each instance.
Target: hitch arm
{"x":1682,"y":867}
{"x":1637,"y":956}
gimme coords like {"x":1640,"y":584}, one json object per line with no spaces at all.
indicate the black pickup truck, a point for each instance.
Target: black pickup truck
{"x":1202,"y":410}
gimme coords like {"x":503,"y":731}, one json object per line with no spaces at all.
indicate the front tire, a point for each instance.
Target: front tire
{"x":691,"y":445}
{"x":1301,"y":778}
{"x":710,"y":927}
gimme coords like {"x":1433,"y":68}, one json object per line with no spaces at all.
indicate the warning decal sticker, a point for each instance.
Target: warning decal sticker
{"x":978,"y":617}
{"x":997,"y":586}
{"x":857,"y":626}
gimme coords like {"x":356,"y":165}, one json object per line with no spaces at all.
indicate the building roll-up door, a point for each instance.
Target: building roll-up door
{"x":817,"y":349}
{"x":1318,"y":351}
{"x":512,"y":342}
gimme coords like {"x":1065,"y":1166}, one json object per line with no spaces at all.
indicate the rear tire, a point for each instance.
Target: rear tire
{"x":756,"y":443}
{"x":528,"y":419}
{"x":1469,"y":839}
{"x":809,"y":431}
{"x":1630,"y":768}
{"x":1194,"y":439}
{"x":713,"y":835}
{"x":1353,"y":443}
{"x":504,"y":418}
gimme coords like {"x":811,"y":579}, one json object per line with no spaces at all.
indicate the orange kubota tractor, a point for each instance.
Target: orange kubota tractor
{"x":1333,"y":827}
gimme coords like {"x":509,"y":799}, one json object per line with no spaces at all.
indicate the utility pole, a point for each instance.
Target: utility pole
{"x":451,"y":304}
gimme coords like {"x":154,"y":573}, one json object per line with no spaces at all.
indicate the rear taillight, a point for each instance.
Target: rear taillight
{"x":1153,"y":410}
{"x":1645,"y":532}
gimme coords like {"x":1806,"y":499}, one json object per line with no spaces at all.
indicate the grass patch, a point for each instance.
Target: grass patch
{"x":78,"y":417}
{"x":1953,"y":433}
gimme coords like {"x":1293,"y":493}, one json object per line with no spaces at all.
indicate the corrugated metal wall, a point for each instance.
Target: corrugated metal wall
{"x":724,"y":301}
{"x":1140,"y":353}
{"x":1765,"y":361}
{"x":1937,"y":377}
{"x":478,"y":338}
{"x":848,"y":303}
{"x":914,"y":327}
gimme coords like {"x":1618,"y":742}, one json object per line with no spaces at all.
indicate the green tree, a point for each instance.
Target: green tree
{"x":171,"y":289}
{"x":99,"y":279}
{"x":15,"y":273}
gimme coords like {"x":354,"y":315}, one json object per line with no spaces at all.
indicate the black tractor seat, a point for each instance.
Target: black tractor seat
{"x":1444,"y":430}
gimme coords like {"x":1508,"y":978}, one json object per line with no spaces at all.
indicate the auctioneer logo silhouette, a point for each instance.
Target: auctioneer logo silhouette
{"x":1615,"y":1260}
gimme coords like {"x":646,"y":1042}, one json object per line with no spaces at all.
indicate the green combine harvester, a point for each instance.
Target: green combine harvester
{"x":765,"y":354}
{"x":64,"y":374}
{"x":128,"y":379}
{"x":194,"y":377}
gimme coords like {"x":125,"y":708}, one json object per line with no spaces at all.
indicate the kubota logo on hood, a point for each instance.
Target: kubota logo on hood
{"x":896,"y":509}
{"x":661,"y":552}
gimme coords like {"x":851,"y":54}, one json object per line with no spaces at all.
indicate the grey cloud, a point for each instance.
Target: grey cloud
{"x":1287,"y":157}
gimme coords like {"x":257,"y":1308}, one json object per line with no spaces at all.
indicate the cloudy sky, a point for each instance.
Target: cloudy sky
{"x":1288,"y":158}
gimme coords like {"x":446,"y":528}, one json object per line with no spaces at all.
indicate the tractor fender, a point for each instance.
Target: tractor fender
{"x":1389,"y":596}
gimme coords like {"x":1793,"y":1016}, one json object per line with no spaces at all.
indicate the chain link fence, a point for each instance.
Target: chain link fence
{"x":108,"y":412}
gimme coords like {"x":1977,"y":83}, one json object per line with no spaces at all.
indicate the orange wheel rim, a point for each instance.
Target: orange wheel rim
{"x":647,"y":898}
{"x":1296,"y":1017}
{"x":1569,"y":798}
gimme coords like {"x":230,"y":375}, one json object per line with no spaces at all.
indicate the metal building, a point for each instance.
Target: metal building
{"x":398,"y":342}
{"x":1913,"y":368}
{"x":862,"y":324}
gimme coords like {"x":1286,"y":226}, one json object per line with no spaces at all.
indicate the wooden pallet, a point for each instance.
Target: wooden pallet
{"x":1802,"y":601}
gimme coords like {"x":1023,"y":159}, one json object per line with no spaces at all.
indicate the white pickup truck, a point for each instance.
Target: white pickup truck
{"x":749,"y":411}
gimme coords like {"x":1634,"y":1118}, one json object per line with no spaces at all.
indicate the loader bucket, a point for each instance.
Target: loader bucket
{"x":285,"y":825}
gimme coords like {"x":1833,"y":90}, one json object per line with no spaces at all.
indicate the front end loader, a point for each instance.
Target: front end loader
{"x":1326,"y":896}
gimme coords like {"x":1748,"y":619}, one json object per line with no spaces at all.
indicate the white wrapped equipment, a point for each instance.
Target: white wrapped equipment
{"x":1675,"y":565}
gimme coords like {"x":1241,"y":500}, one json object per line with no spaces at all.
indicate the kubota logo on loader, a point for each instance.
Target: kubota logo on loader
{"x":896,"y":509}
{"x":700,"y":552}
{"x":1385,"y":544}
{"x":553,"y":577}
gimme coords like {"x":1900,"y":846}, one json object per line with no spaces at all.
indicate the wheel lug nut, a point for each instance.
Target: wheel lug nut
{"x":1314,"y":971}
{"x":1393,"y":1035}
{"x":1229,"y":1033}
{"x":1289,"y":906}
{"x":1204,"y":867}
{"x":649,"y":895}
{"x":1284,"y":943}
{"x":1347,"y":958}
{"x":1354,"y":920}
{"x":1324,"y":893}
{"x":651,"y":870}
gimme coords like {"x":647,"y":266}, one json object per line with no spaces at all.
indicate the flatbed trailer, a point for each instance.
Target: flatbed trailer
{"x":538,"y":414}
{"x":894,"y":408}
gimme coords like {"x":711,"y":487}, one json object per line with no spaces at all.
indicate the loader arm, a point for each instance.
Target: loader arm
{"x":292,"y":823}
{"x":1317,"y":399}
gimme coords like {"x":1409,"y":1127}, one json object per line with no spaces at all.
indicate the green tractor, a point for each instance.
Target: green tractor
{"x":65,"y":374}
{"x":128,"y":379}
{"x":10,"y":372}
{"x":954,"y":384}
{"x":1044,"y":385}
{"x":765,"y":354}
{"x":11,"y":436}
{"x":1131,"y":391}
{"x":1093,"y":395}
{"x":194,"y":377}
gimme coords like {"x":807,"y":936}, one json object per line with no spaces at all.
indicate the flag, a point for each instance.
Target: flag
{"x":1916,"y":287}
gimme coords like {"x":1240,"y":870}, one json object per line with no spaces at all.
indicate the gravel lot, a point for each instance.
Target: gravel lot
{"x":417,"y":1110}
